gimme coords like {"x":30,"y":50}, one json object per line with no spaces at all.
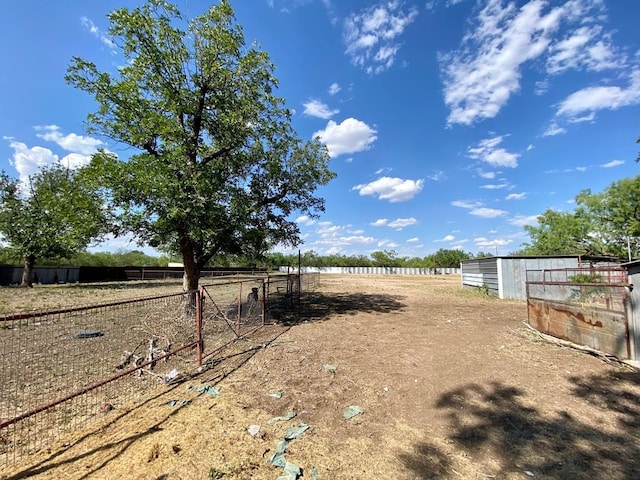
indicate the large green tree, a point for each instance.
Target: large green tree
{"x":563,"y":233}
{"x":216,"y":166}
{"x":605,"y":223}
{"x":55,"y":214}
{"x":448,"y":258}
{"x":616,"y":215}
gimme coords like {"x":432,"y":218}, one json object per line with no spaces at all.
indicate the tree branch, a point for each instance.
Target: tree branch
{"x":218,"y":154}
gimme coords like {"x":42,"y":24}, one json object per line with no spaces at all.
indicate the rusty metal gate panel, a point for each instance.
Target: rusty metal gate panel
{"x":585,"y":306}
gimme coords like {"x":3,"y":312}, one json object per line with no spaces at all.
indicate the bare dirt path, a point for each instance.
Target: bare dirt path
{"x":451,"y":383}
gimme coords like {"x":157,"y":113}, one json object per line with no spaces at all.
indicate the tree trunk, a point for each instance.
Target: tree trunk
{"x":191,"y":270}
{"x":29,"y":261}
{"x":191,"y":274}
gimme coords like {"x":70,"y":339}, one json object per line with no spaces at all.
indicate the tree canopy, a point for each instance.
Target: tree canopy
{"x":54,"y":215}
{"x":216,"y":166}
{"x":606,"y":223}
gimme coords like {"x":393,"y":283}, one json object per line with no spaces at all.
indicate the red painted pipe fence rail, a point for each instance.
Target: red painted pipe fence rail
{"x":63,"y":368}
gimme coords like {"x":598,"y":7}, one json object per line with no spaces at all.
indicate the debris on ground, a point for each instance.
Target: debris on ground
{"x":330,"y":368}
{"x":88,"y":334}
{"x":208,"y":389}
{"x":253,"y":430}
{"x":295,"y":432}
{"x":171,"y":376}
{"x":277,"y":459}
{"x":284,"y":418}
{"x":352,"y":411}
{"x":178,"y":403}
{"x":291,"y":471}
{"x":276,"y":394}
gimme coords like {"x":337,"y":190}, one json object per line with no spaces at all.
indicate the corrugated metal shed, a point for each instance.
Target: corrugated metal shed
{"x":506,"y":277}
{"x":633,"y":272}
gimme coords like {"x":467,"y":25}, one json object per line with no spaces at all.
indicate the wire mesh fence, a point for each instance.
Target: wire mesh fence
{"x":61,"y":369}
{"x":231,"y":310}
{"x":57,"y":370}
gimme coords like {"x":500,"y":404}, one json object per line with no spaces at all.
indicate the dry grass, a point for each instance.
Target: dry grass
{"x":450,"y":385}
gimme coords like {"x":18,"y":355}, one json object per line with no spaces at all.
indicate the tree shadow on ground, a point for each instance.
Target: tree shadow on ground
{"x":317,"y":306}
{"x":213,"y":372}
{"x":506,"y":436}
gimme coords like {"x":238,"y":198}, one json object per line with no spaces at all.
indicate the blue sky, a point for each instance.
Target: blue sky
{"x":450,"y":123}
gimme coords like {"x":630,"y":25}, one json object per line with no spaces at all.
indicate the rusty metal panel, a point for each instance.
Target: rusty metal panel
{"x":601,"y":329}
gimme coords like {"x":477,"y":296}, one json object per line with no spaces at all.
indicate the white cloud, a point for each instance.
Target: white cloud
{"x":96,"y":32}
{"x":586,"y":47}
{"x":447,"y":238}
{"x":495,"y":186}
{"x":436,"y":177}
{"x":334,"y":88}
{"x":516,"y":196}
{"x":315,"y":108}
{"x":584,"y":118}
{"x":612,"y":163}
{"x":337,"y":238}
{"x":381,"y":222}
{"x":413,"y":240}
{"x":541,"y":87}
{"x":487,"y":175}
{"x":485,"y":71}
{"x":371,"y":35}
{"x":387,"y":244}
{"x":553,"y":130}
{"x":530,"y":147}
{"x":488,"y":152}
{"x":350,"y":136}
{"x":305,"y":220}
{"x":496,"y":242}
{"x":400,"y":223}
{"x":29,"y":160}
{"x":476,"y":208}
{"x":481,"y":76}
{"x":487,"y":212}
{"x":123,"y":242}
{"x":591,"y":99}
{"x":522,"y":220}
{"x":70,"y":142}
{"x":465,"y":204}
{"x":391,"y":188}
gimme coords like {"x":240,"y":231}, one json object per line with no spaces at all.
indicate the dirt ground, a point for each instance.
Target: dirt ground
{"x":451,"y":383}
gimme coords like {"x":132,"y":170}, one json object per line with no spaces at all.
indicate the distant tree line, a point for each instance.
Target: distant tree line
{"x":443,"y":258}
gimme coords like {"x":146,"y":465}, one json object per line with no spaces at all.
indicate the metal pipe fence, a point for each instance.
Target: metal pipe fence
{"x":604,"y":288}
{"x":61,"y":369}
{"x":58,"y":369}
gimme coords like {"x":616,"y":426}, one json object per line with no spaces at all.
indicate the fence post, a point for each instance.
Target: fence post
{"x":263,"y":305}
{"x":199,"y":342}
{"x":238,"y":326}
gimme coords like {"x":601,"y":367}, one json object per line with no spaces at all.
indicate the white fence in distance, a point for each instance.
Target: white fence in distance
{"x":373,"y":270}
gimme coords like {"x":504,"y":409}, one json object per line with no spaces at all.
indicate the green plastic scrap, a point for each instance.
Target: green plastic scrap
{"x":277,"y":458}
{"x":291,"y":472}
{"x":330,"y":368}
{"x":314,"y":473}
{"x":176,"y":403}
{"x":208,"y":389}
{"x":288,"y":416}
{"x":352,"y":411}
{"x":295,"y":432}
